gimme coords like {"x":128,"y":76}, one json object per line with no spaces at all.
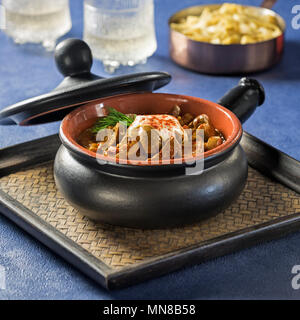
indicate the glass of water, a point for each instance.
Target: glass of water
{"x":36,"y":21}
{"x":120,"y":32}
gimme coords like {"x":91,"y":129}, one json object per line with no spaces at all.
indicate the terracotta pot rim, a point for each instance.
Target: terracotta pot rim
{"x":231,"y":141}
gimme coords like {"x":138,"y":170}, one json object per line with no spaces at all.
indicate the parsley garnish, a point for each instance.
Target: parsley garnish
{"x":112,"y":119}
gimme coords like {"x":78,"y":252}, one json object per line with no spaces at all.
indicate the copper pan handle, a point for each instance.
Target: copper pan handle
{"x":268,"y":4}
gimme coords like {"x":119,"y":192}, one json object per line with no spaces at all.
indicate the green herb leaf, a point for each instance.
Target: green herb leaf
{"x":112,"y":119}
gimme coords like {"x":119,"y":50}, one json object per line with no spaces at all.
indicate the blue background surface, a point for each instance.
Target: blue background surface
{"x":264,"y":271}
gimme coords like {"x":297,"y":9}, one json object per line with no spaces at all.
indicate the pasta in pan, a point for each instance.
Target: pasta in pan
{"x":229,"y":24}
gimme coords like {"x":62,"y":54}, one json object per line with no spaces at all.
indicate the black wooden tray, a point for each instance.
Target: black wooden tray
{"x":117,"y":257}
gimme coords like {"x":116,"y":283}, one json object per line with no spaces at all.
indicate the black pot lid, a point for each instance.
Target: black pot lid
{"x":74,"y":60}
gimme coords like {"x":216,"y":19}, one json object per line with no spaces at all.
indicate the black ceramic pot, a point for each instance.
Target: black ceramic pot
{"x":148,"y":200}
{"x":137,"y":195}
{"x":157,"y":196}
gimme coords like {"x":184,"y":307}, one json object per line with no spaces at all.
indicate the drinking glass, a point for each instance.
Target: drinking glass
{"x":36,"y":21}
{"x":120,"y":32}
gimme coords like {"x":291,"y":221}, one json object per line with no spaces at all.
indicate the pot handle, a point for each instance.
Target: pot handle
{"x":243,"y":99}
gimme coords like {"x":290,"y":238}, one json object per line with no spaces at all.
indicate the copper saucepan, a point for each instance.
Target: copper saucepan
{"x":225,"y":59}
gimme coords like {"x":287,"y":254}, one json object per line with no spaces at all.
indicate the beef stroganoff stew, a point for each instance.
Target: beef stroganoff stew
{"x":154,"y":137}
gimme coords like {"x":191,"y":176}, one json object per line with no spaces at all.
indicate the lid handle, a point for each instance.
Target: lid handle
{"x":73,"y":57}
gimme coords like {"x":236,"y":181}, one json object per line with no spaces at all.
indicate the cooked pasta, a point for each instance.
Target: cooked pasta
{"x":229,"y":24}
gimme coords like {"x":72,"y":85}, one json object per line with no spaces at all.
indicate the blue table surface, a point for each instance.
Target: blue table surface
{"x":263,"y":271}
